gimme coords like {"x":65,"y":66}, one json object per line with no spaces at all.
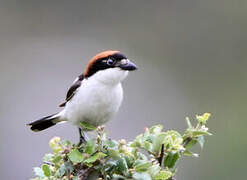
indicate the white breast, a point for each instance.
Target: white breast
{"x":95,"y":102}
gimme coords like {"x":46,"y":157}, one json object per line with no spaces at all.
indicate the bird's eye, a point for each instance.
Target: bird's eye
{"x":110,"y":61}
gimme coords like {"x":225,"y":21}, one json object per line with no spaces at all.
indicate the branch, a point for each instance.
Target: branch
{"x":107,"y":159}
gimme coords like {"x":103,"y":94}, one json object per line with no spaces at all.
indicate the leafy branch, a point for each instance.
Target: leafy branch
{"x":151,"y":155}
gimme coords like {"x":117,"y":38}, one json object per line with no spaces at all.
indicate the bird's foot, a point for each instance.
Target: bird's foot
{"x":82,"y":140}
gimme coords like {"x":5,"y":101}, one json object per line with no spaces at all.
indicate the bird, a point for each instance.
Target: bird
{"x":95,"y":95}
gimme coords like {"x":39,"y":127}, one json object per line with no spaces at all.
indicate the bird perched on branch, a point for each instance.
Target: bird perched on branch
{"x":95,"y":96}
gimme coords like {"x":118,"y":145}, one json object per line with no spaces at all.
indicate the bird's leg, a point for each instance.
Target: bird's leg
{"x":82,"y":139}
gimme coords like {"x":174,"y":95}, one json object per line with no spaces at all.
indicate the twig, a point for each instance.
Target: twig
{"x":69,"y":175}
{"x":186,"y":141}
{"x":161,"y":154}
{"x":84,"y":174}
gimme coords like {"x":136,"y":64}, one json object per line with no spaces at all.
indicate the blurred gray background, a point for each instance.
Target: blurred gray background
{"x":192,"y":59}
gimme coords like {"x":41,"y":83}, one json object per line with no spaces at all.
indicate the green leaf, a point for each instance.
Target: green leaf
{"x":188,"y":122}
{"x":158,"y":141}
{"x":117,"y":176}
{"x":129,"y":160}
{"x":87,"y":126}
{"x":154,"y":170}
{"x":95,"y":157}
{"x":110,"y":165}
{"x":46,"y":170}
{"x":138,"y":141}
{"x":173,"y":134}
{"x":189,"y":153}
{"x":122,"y":165}
{"x":56,"y":159}
{"x":65,"y":143}
{"x":75,"y":156}
{"x":163,"y":175}
{"x":69,"y":166}
{"x":148,"y":146}
{"x":38,"y":172}
{"x":48,"y":157}
{"x":197,"y":133}
{"x":90,"y":147}
{"x":141,"y":176}
{"x":171,"y":159}
{"x":156,"y":129}
{"x":62,"y":170}
{"x":75,"y":178}
{"x":191,"y":143}
{"x":203,"y":118}
{"x":113,"y":153}
{"x":111,"y":143}
{"x":135,"y":144}
{"x":201,"y":140}
{"x":55,"y":144}
{"x":142,"y":166}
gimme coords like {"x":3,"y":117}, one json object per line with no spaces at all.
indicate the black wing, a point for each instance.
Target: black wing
{"x":72,"y":90}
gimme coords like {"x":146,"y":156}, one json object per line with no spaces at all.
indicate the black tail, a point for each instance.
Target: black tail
{"x":44,"y":123}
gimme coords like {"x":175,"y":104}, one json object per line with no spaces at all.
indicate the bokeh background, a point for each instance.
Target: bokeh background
{"x":192,"y":58}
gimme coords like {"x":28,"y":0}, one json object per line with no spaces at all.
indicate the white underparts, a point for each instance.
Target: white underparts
{"x":98,"y":98}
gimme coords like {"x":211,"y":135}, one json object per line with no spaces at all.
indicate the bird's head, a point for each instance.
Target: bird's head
{"x":109,"y":67}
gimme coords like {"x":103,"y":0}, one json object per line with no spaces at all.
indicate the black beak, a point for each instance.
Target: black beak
{"x":128,"y":66}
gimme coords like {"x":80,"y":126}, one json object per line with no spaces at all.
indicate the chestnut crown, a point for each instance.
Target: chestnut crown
{"x":108,"y":59}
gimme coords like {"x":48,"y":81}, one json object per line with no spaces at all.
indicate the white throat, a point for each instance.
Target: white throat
{"x":110,"y":76}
